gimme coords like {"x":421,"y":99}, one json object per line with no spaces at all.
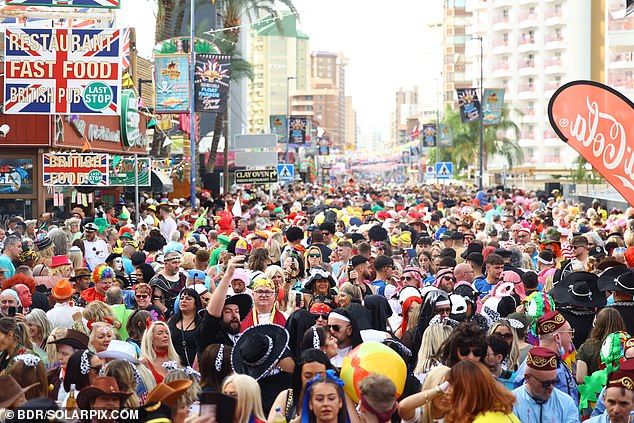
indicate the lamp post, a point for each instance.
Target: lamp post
{"x":480,"y":185}
{"x":192,"y":110}
{"x":288,"y":116}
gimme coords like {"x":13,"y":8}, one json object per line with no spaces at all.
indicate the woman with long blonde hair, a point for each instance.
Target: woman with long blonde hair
{"x":248,"y":396}
{"x":122,"y":371}
{"x":157,"y":349}
{"x":504,"y":328}
{"x":433,"y":338}
{"x":476,"y":396}
{"x":430,"y":404}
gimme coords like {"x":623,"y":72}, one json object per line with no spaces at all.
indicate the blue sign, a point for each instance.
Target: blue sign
{"x":444,"y":170}
{"x":285,"y":173}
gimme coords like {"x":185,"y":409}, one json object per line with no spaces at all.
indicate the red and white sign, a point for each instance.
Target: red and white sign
{"x":596,"y":120}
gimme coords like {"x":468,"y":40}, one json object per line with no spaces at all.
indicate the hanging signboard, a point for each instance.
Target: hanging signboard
{"x":492,"y":106}
{"x":297,"y":130}
{"x":278,"y":127}
{"x":446,"y":138}
{"x":469,"y":104}
{"x":429,"y":135}
{"x":211,"y":82}
{"x":172,"y":83}
{"x":130,"y":119}
{"x":62,"y":71}
{"x":72,"y":169}
{"x":122,"y":171}
{"x":596,"y":120}
{"x":108,"y":4}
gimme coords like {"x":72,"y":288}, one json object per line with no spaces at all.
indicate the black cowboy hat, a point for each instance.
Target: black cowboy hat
{"x":473,"y":247}
{"x":620,"y":279}
{"x":243,"y":301}
{"x":73,"y":338}
{"x":579,"y":289}
{"x":609,"y":262}
{"x":258,"y":350}
{"x":317,"y":273}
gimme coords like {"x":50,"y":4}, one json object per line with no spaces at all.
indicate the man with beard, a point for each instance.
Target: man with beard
{"x":222,"y":320}
{"x":359,"y":272}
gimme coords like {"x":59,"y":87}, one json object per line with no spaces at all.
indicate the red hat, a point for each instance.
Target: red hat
{"x":621,"y":379}
{"x":57,"y":261}
{"x":550,"y":322}
{"x":540,"y":358}
{"x":320,"y":308}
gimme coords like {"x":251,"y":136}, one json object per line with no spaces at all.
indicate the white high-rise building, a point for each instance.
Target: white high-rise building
{"x":531,"y":48}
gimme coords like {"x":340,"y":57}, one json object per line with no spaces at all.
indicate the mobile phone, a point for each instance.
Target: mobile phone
{"x":20,"y":310}
{"x":12,"y":311}
{"x":217,"y":406}
{"x":298,"y":299}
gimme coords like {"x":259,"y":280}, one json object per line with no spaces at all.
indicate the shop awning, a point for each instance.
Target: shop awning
{"x":161,"y":182}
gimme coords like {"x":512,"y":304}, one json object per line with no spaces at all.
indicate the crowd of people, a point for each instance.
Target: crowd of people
{"x":503,"y":305}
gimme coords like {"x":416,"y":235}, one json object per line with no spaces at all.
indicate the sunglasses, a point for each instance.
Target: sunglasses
{"x":337,"y":328}
{"x":505,"y":335}
{"x":442,"y":310}
{"x":97,"y":369}
{"x":545,"y":383}
{"x":322,"y":315}
{"x":314,"y":255}
{"x":142,"y":296}
{"x":477,"y":352}
{"x":406,"y":278}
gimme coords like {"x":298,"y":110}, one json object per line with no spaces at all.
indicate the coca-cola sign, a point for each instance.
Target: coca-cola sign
{"x":597,"y":121}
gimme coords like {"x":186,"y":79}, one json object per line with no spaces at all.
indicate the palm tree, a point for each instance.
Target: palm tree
{"x":501,"y":139}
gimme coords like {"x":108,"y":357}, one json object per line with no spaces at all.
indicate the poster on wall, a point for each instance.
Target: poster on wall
{"x":16,"y":176}
{"x":211,"y":82}
{"x":297,"y":130}
{"x":108,"y":4}
{"x":172,"y":83}
{"x":72,"y":169}
{"x":278,"y":127}
{"x":62,"y":71}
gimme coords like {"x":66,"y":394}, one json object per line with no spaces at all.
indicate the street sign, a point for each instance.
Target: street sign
{"x":285,"y":172}
{"x":255,"y":141}
{"x":430,"y":171}
{"x":261,"y":176}
{"x":444,"y":170}
{"x":255,"y":159}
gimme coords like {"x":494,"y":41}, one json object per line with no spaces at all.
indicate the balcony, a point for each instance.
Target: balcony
{"x":529,"y":116}
{"x":621,"y":25}
{"x":476,"y":5}
{"x":527,"y":67}
{"x":553,"y":65}
{"x":528,"y":20}
{"x":551,"y":86}
{"x":526,"y":91}
{"x":549,"y":134}
{"x":501,"y":22}
{"x":554,"y":41}
{"x":527,"y":43}
{"x":527,"y":135}
{"x":621,"y":61}
{"x":501,"y":46}
{"x":620,"y":82}
{"x":501,"y":69}
{"x":554,"y":17}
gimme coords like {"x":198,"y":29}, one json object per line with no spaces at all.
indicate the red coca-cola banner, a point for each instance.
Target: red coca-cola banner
{"x":597,"y":121}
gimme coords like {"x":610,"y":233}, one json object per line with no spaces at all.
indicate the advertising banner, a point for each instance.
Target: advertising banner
{"x":109,"y":4}
{"x":122,"y":171}
{"x":72,"y":169}
{"x":211,"y":82}
{"x":264,"y":176}
{"x":469,"y":104}
{"x":297,"y":130}
{"x":596,"y":120}
{"x":278,"y":127}
{"x":16,"y":176}
{"x":492,"y":106}
{"x":446,"y":136}
{"x":62,"y":71}
{"x":429,"y":135}
{"x":172,"y":83}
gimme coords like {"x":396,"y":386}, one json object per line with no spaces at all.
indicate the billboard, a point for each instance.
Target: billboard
{"x":172,"y":83}
{"x":16,"y":176}
{"x":72,"y":169}
{"x":122,"y":171}
{"x":62,"y":71}
{"x":109,"y":4}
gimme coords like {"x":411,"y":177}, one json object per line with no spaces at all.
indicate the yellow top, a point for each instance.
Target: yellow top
{"x":496,"y":417}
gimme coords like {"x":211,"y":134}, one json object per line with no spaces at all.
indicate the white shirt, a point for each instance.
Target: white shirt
{"x":168,"y":225}
{"x":61,"y":315}
{"x":337,"y":360}
{"x":96,"y":252}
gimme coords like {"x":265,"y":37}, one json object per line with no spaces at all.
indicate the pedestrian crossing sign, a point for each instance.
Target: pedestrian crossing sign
{"x":285,"y":173}
{"x":444,"y":170}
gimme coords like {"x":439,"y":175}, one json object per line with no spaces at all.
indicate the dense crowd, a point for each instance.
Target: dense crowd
{"x":351,"y":303}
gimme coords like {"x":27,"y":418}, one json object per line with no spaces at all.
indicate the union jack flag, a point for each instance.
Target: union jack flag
{"x":46,"y":73}
{"x":125,"y":49}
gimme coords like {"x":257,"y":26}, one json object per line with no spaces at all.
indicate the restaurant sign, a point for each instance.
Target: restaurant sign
{"x":122,"y":171}
{"x":72,"y":169}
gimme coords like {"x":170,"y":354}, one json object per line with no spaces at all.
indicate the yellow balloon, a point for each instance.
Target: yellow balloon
{"x":368,"y":358}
